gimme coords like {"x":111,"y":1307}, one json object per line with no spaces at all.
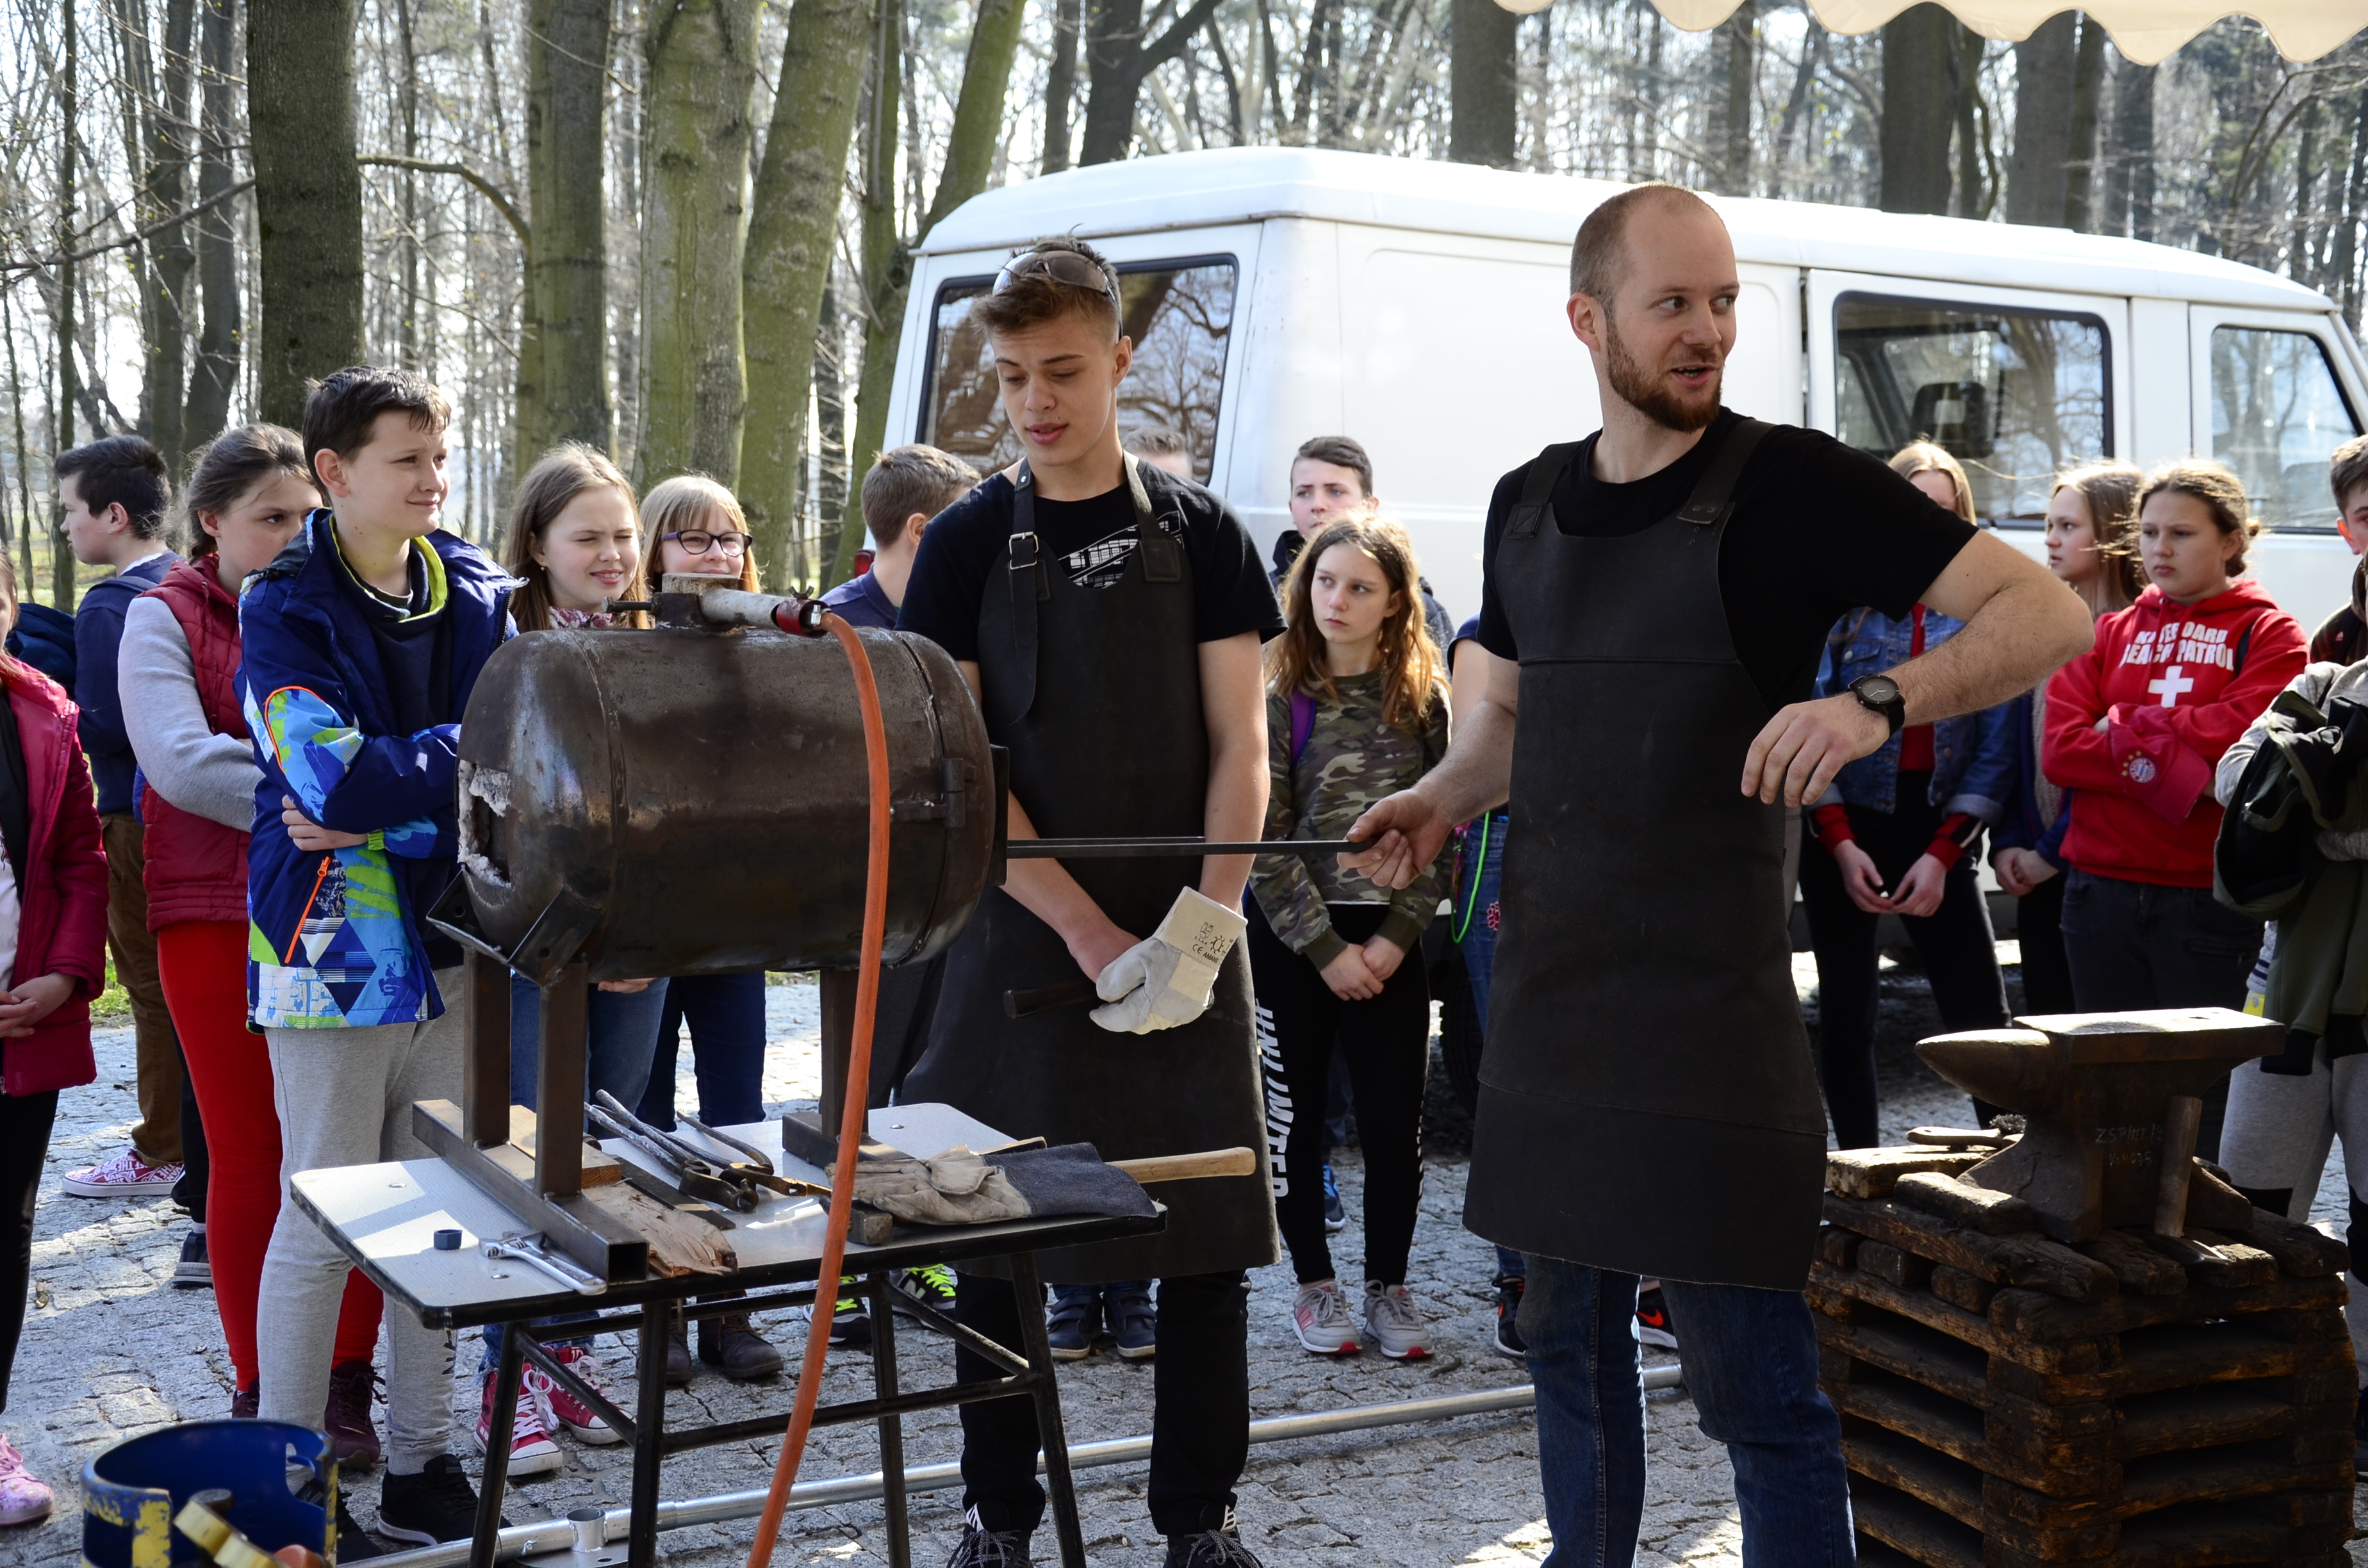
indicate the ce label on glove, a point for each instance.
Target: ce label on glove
{"x":1168,"y":978}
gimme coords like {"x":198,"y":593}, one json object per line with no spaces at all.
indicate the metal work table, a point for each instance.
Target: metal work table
{"x":385,"y":1216}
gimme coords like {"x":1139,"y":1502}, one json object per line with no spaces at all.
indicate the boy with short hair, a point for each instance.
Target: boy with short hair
{"x":1110,"y":617}
{"x":1332,"y":477}
{"x":114,"y":494}
{"x":1163,"y":446}
{"x":906,"y":488}
{"x":2341,"y":639}
{"x":362,"y":643}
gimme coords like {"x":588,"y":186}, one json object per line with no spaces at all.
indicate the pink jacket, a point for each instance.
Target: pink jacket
{"x":62,"y":926}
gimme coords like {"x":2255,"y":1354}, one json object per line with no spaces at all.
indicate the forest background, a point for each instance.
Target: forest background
{"x":679,"y":229}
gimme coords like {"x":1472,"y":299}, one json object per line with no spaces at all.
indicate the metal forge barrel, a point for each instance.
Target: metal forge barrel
{"x":691,"y":800}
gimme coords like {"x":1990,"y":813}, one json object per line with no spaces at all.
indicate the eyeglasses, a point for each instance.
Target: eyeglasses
{"x":1062,"y":267}
{"x":695,"y":542}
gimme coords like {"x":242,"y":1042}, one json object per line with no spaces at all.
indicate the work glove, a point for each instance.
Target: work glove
{"x":1168,"y":978}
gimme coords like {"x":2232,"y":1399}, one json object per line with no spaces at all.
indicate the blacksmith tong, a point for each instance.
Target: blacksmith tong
{"x":734,"y":1184}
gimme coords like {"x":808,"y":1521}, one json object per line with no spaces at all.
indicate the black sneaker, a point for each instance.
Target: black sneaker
{"x":850,"y":1326}
{"x":1133,"y":1322}
{"x":1508,"y":1340}
{"x":1652,"y":1319}
{"x":931,"y":1287}
{"x":1336,"y":1217}
{"x":1220,"y":1548}
{"x":351,"y":1542}
{"x":1074,"y":1318}
{"x":983,"y":1548}
{"x":436,"y":1504}
{"x":193,"y":1269}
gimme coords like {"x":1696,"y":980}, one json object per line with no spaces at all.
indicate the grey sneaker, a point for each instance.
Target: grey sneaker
{"x":1220,"y":1548}
{"x":1394,"y":1323}
{"x":1320,"y":1318}
{"x":983,"y":1548}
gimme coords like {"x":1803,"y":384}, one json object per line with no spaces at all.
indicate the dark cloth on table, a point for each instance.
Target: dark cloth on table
{"x":1088,"y":540}
{"x":1818,"y":530}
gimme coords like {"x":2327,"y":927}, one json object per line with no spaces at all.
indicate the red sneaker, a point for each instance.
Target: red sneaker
{"x":531,"y":1451}
{"x":566,"y":1410}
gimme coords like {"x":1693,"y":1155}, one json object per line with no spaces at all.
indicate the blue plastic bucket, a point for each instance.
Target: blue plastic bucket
{"x":130,"y":1493}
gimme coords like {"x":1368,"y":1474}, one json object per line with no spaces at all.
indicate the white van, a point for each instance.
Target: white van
{"x":1278,"y":293}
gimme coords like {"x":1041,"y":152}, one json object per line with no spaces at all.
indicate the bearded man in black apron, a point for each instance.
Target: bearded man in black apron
{"x":1656,"y":600}
{"x":1109,"y":617}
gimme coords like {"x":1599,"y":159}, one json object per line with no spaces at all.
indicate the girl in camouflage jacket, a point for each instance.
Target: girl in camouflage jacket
{"x":1356,"y":709}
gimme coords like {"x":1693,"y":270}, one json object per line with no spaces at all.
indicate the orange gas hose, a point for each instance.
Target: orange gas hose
{"x":852,"y":1127}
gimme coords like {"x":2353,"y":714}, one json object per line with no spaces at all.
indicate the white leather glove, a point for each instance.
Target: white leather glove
{"x":1168,"y":978}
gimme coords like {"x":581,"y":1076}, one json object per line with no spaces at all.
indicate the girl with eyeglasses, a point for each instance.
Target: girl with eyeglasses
{"x":698,"y":527}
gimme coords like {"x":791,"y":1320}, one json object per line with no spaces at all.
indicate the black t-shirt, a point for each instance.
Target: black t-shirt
{"x":1818,"y":528}
{"x":1092,"y":541}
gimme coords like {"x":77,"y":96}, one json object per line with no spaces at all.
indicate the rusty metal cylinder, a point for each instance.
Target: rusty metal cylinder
{"x":689,"y":802}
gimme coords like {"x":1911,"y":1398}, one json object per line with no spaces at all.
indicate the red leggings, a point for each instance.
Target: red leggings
{"x":203,"y":963}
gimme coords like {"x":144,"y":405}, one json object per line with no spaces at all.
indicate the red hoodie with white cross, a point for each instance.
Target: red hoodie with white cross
{"x":2175,"y":685}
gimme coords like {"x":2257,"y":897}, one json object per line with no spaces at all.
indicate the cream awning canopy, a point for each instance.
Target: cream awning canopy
{"x":2142,"y":31}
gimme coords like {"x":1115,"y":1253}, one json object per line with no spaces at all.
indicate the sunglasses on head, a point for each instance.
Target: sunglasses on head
{"x":697,"y":541}
{"x":1060,"y":266}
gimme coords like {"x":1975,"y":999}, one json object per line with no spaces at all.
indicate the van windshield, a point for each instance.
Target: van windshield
{"x":2016,"y":395}
{"x":1180,"y":316}
{"x":2276,"y":416}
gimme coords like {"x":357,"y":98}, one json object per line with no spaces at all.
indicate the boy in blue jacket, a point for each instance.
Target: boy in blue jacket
{"x":361,"y":643}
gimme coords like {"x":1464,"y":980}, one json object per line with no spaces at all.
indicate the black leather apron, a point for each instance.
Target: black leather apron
{"x":1097,"y":693}
{"x":1647,"y":1100}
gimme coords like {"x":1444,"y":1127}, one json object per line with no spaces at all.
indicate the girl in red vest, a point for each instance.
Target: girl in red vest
{"x":246,"y":497}
{"x":53,"y":961}
{"x":2135,"y":727}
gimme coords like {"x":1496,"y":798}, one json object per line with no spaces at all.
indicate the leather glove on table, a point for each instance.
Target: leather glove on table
{"x":1168,"y":978}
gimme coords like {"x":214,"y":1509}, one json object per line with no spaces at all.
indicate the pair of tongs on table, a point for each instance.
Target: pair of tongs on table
{"x":696,"y":1172}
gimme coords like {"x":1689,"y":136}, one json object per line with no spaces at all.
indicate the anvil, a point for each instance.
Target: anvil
{"x":2100,"y":1094}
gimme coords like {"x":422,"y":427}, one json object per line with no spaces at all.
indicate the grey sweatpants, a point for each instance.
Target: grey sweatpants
{"x":2277,"y":1136}
{"x":345,"y":1099}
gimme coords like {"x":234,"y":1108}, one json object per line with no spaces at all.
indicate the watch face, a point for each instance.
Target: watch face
{"x":1878,"y":691}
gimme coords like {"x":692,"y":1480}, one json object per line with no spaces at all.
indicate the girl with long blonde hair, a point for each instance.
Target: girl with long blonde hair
{"x":1356,"y":709}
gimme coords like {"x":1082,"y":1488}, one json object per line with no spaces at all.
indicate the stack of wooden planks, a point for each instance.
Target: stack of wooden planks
{"x":2009,"y":1401}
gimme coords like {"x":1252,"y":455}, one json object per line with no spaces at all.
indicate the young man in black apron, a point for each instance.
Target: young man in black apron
{"x":1655,"y":601}
{"x":1110,"y":616}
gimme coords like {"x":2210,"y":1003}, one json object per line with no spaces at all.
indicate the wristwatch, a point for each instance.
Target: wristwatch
{"x":1881,"y":693}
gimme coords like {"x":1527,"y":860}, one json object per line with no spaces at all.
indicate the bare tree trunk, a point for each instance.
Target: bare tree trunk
{"x":2088,"y":86}
{"x":308,"y":194}
{"x":887,"y":261}
{"x":63,"y":424}
{"x":132,"y":94}
{"x":2035,"y":183}
{"x":790,"y":238}
{"x":1917,"y":106}
{"x":2133,"y":156}
{"x":1482,"y":84}
{"x":216,"y":372}
{"x":2344,"y":266}
{"x":698,"y":112}
{"x":1059,"y":87}
{"x":24,"y":554}
{"x":2298,"y":241}
{"x":168,"y":183}
{"x":1740,"y":31}
{"x":1116,"y":59}
{"x":562,"y":381}
{"x":1965,"y":72}
{"x":831,"y":476}
{"x":407,"y":105}
{"x":1812,"y":48}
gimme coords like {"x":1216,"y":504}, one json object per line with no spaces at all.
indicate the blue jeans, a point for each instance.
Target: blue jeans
{"x":1751,"y":1367}
{"x":726,"y":1013}
{"x":1474,"y":928}
{"x":622,"y":1033}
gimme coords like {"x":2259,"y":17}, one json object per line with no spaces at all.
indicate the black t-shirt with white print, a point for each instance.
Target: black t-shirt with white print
{"x":1091,"y":541}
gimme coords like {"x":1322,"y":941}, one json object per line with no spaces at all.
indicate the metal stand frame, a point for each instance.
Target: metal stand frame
{"x":1029,"y":1370}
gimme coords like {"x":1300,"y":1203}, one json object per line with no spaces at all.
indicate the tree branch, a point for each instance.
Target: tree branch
{"x":37,"y":262}
{"x":1171,"y":43}
{"x":493,"y":193}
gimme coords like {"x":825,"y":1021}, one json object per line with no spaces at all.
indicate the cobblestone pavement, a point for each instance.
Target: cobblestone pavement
{"x":111,"y":1349}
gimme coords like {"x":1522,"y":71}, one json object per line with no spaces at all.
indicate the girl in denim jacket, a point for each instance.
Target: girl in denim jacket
{"x":1897,"y":828}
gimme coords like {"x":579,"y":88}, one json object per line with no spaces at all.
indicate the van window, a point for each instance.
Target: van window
{"x":2277,"y":416}
{"x":2016,"y":395}
{"x":1180,"y":315}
